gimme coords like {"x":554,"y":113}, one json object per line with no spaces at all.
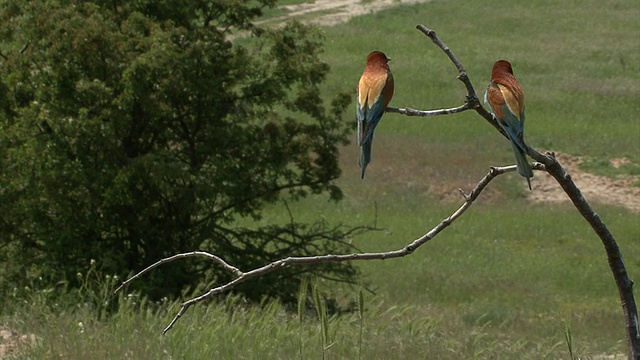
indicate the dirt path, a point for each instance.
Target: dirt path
{"x":595,"y":188}
{"x":331,"y":12}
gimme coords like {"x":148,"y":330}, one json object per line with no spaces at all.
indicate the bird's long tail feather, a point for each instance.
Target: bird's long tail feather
{"x":524,"y":169}
{"x":365,"y":156}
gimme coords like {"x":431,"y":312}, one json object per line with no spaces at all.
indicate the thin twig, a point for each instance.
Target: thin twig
{"x":472,"y":102}
{"x":413,"y":112}
{"x":546,"y":162}
{"x":25,"y":47}
{"x":555,"y":169}
{"x":462,"y":73}
{"x":212,"y":257}
{"x":313,"y":260}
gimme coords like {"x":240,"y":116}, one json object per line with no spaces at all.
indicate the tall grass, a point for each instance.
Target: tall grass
{"x":233,"y":330}
{"x":506,"y":281}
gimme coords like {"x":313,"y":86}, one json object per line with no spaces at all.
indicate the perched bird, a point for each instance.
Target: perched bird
{"x":506,"y":100}
{"x":375,"y":90}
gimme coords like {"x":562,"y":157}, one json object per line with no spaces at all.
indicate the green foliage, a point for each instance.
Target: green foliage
{"x":504,"y":280}
{"x":136,"y":130}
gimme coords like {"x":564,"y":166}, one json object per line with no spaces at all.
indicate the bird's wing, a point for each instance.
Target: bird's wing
{"x":493,"y":96}
{"x":512,"y":101}
{"x":373,"y":98}
{"x":505,"y":105}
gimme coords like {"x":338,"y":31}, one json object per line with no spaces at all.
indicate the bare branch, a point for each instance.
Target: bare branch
{"x":212,"y":257}
{"x":462,"y":73}
{"x":546,"y":162}
{"x":472,"y":102}
{"x":614,"y":256}
{"x":25,"y":47}
{"x":312,"y":260}
{"x":21,"y":51}
{"x":414,"y":112}
{"x":553,"y":167}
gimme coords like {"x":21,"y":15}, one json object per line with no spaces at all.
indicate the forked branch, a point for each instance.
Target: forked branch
{"x":241,"y":276}
{"x":555,"y":169}
{"x":546,"y":162}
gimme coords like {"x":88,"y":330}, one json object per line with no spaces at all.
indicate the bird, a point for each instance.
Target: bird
{"x":506,"y":101}
{"x":375,"y":90}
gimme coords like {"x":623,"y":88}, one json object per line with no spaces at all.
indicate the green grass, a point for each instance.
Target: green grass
{"x":231,"y":330}
{"x":481,"y":289}
{"x":506,"y":280}
{"x":578,"y":66}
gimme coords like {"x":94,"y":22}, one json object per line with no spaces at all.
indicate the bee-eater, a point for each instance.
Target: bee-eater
{"x":506,"y":101}
{"x":375,"y":90}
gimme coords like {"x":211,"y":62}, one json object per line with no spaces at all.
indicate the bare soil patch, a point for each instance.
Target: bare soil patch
{"x":331,"y":12}
{"x":11,"y":342}
{"x":437,"y":172}
{"x":620,"y":191}
{"x":602,"y":189}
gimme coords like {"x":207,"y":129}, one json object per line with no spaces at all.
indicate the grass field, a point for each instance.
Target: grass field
{"x":507,"y":279}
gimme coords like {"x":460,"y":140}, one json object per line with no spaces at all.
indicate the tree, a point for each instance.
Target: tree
{"x":135,"y":130}
{"x":545,"y":162}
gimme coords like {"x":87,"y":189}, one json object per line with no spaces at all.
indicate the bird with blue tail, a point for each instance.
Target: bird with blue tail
{"x":506,"y":101}
{"x":375,"y":90}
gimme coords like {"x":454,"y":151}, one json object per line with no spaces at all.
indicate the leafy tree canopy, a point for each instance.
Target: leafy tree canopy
{"x":134,"y":130}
